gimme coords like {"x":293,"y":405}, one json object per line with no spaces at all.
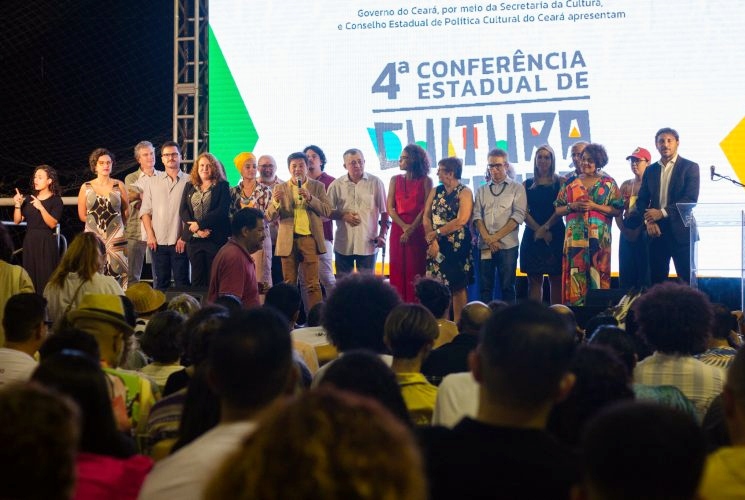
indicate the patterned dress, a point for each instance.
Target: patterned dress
{"x":587,"y":243}
{"x":104,"y":217}
{"x":454,"y":266}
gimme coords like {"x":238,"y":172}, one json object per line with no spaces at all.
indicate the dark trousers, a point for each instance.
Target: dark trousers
{"x":167,"y":261}
{"x":505,"y":263}
{"x":201,"y":254}
{"x":345,"y":263}
{"x":633,"y":263}
{"x":661,"y":250}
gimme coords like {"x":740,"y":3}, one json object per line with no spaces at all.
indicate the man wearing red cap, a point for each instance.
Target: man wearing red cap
{"x":667,"y":182}
{"x":633,"y":263}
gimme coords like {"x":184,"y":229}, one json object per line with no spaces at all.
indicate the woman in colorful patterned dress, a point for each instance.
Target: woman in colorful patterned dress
{"x":42,"y":212}
{"x":406,"y":196}
{"x":589,"y":203}
{"x":447,"y":214}
{"x":103,"y":206}
{"x":251,"y":193}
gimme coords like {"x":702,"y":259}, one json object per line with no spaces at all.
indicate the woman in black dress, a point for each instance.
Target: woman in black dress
{"x":542,"y":244}
{"x":41,"y":211}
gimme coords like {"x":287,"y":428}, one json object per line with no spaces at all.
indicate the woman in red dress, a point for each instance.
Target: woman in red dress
{"x":406,"y":196}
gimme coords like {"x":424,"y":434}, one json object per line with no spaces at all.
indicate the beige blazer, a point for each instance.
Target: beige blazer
{"x":318,"y":207}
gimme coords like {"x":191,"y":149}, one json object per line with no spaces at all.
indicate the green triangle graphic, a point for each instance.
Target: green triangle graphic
{"x":231,"y":129}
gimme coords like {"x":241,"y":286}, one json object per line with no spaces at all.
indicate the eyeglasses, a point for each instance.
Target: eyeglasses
{"x":634,"y":161}
{"x":169,"y":155}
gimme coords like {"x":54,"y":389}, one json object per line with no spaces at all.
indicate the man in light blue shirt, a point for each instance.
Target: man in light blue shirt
{"x":499,"y":210}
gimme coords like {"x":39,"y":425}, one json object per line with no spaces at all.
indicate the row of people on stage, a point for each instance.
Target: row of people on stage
{"x":184,"y":220}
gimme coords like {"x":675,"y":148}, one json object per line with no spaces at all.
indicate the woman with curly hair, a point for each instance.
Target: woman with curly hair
{"x":204,"y":211}
{"x":336,"y":445}
{"x":41,"y":211}
{"x":406,"y":196}
{"x":589,"y":202}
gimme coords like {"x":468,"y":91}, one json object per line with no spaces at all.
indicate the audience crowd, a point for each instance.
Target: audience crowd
{"x":342,"y":387}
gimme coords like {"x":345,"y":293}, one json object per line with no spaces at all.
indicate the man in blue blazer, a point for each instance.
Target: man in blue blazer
{"x":669,"y":181}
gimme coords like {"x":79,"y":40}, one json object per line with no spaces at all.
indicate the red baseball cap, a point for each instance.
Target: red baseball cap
{"x":641,"y":154}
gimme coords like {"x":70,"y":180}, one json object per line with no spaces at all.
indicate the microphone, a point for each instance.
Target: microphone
{"x":299,"y":186}
{"x":712,"y":171}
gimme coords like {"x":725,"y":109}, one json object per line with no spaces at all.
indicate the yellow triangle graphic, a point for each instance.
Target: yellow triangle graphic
{"x":733,"y":150}
{"x":451,"y":148}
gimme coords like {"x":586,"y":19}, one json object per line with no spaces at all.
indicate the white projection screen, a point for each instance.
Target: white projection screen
{"x":462,"y":77}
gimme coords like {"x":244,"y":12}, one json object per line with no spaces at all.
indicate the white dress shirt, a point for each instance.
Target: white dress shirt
{"x":367,"y":198}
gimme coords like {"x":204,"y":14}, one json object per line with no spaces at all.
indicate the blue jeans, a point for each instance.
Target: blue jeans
{"x":345,"y":263}
{"x":505,"y":262}
{"x":166,"y":260}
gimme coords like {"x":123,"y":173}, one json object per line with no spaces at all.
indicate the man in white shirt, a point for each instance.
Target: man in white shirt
{"x":359,"y":204}
{"x":161,"y":203}
{"x":26,"y":325}
{"x":251,"y":370}
{"x":136,"y":246}
{"x":268,"y":177}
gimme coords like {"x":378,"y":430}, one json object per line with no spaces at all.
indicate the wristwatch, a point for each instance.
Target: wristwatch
{"x":437,"y":232}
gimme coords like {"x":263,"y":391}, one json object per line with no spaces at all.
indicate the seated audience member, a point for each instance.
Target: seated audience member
{"x":355,"y":314}
{"x":675,"y":320}
{"x":601,"y":380}
{"x":162,"y":343}
{"x":285,"y":298}
{"x":641,"y":450}
{"x":79,"y":274}
{"x":719,"y":352}
{"x":522,"y":366}
{"x":435,"y":296}
{"x":147,"y":302}
{"x":453,"y":356}
{"x":26,"y":328}
{"x":568,"y":315}
{"x":107,"y":466}
{"x":39,"y":432}
{"x":723,"y":474}
{"x":73,"y":339}
{"x":184,"y":415}
{"x":315,"y":335}
{"x":339,"y":445}
{"x":184,"y":303}
{"x":230,"y":302}
{"x":623,"y":345}
{"x":251,"y":369}
{"x":364,"y":373}
{"x":410,"y":332}
{"x":597,"y":321}
{"x":103,"y":317}
{"x":457,"y":398}
{"x":13,"y":279}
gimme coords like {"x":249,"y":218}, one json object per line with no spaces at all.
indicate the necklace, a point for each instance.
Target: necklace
{"x":491,"y":188}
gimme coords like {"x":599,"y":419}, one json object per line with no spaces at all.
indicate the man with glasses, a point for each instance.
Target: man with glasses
{"x":161,"y":202}
{"x":500,"y":208}
{"x":359,"y":204}
{"x":26,"y":324}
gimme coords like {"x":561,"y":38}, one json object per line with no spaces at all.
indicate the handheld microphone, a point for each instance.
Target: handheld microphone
{"x":712,"y":171}
{"x":299,"y":186}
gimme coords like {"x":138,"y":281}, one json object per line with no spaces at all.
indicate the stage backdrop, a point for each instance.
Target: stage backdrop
{"x":460,"y":78}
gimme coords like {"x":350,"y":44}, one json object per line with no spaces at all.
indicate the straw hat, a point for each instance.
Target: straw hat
{"x":144,"y":298}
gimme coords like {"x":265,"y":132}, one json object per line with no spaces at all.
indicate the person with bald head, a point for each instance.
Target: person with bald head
{"x":251,"y":193}
{"x":453,"y":356}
